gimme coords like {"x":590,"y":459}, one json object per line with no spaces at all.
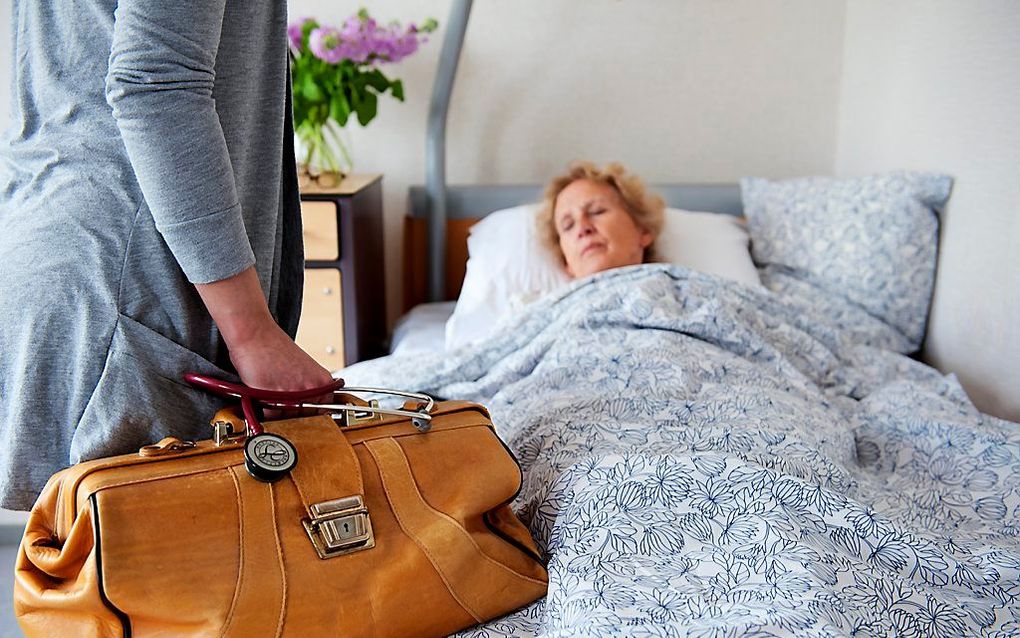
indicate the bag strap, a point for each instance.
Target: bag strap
{"x":329,"y":468}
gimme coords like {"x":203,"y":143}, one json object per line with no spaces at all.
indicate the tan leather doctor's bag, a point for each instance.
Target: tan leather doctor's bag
{"x":362,"y":522}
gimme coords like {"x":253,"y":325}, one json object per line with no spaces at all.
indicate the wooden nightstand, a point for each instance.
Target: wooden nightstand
{"x":343,"y":316}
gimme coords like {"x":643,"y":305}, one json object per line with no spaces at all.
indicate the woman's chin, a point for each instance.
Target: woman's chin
{"x":596,"y":264}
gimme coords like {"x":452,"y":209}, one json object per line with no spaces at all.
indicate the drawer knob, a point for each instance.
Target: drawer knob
{"x":330,"y":350}
{"x":327,"y":290}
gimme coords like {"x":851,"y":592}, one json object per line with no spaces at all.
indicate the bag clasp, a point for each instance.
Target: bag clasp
{"x":339,"y":527}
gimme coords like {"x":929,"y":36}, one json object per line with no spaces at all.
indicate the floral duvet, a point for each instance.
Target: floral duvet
{"x":703,"y":458}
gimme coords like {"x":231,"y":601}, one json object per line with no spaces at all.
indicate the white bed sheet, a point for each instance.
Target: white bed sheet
{"x":423,"y":329}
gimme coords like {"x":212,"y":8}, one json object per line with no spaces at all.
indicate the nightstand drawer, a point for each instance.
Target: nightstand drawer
{"x":321,"y":331}
{"x":340,"y":332}
{"x":322,"y":237}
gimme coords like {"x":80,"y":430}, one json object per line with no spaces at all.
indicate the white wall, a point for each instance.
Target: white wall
{"x":935,"y":84}
{"x":691,"y":90}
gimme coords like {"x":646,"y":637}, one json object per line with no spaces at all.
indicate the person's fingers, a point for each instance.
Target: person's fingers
{"x":275,"y":362}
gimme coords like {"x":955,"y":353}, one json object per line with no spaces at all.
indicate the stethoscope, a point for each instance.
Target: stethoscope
{"x":269,"y":457}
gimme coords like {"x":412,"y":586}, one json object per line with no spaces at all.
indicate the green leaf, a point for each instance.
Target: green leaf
{"x":429,"y":26}
{"x":397,"y":89}
{"x":339,"y":108}
{"x":306,"y":29}
{"x":300,"y":113}
{"x":358,"y":82}
{"x":310,"y":89}
{"x":367,"y":108}
{"x":377,"y":80}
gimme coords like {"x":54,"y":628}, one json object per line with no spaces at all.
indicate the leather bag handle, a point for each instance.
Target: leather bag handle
{"x":252,"y":397}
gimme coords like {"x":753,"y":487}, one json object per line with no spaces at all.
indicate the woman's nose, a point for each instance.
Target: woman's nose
{"x":585,"y":228}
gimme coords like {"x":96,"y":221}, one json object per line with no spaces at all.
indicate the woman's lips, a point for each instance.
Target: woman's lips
{"x":590,"y":247}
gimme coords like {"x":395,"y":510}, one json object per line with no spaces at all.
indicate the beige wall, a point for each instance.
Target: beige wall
{"x":936,"y":85}
{"x":676,"y":90}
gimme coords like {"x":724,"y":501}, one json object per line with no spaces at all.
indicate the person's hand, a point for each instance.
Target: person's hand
{"x":267,"y":358}
{"x":264,"y":355}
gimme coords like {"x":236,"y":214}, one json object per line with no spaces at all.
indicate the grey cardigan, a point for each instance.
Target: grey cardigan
{"x":151,"y":148}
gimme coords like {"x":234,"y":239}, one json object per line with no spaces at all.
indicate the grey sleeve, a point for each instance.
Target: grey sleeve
{"x":160,"y":83}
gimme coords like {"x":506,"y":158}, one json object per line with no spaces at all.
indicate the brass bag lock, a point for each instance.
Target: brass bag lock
{"x":339,"y":527}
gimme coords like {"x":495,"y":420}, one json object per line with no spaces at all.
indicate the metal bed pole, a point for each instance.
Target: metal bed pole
{"x":435,"y":145}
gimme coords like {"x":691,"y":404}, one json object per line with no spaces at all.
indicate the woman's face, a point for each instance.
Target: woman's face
{"x":596,"y":232}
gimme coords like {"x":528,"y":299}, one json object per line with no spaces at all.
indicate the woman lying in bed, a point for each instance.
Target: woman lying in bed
{"x":590,"y":220}
{"x":597,"y":219}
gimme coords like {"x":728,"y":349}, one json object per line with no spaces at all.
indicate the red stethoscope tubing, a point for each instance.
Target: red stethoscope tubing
{"x":249,"y":396}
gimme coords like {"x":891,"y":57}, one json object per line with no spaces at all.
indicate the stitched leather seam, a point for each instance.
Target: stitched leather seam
{"x":424,"y":548}
{"x":279,"y":553}
{"x":301,"y":495}
{"x":240,"y":552}
{"x":165,"y":476}
{"x":355,"y":464}
{"x":457,"y":525}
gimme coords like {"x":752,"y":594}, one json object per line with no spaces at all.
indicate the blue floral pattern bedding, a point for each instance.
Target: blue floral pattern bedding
{"x":871,"y":240}
{"x":706,"y":459}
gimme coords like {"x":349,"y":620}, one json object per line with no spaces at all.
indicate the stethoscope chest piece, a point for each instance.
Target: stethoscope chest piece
{"x":269,"y":457}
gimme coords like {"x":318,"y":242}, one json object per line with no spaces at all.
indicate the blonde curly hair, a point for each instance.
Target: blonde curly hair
{"x":645,"y":208}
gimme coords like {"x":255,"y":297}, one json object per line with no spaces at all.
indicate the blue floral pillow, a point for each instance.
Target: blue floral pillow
{"x":871,"y":240}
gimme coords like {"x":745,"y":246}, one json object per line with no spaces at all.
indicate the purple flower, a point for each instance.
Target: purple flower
{"x":295,"y":31}
{"x":361,"y":40}
{"x":325,"y":44}
{"x":404,"y":46}
{"x":351,"y":29}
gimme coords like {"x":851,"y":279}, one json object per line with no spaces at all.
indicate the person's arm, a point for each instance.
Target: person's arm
{"x":160,"y":87}
{"x":265,"y":357}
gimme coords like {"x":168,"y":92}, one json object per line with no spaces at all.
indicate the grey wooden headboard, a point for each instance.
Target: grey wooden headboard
{"x":476,"y":201}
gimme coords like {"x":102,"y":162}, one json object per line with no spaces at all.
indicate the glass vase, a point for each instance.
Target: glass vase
{"x":323,"y":154}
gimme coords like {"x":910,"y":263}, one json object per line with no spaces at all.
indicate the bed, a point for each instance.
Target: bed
{"x":708,"y":458}
{"x":703,"y":457}
{"x":422,"y":329}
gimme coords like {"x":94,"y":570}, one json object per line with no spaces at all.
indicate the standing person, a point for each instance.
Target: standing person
{"x":149,"y":226}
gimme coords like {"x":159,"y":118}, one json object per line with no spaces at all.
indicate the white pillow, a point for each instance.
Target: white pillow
{"x":509,"y":267}
{"x":712,"y":243}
